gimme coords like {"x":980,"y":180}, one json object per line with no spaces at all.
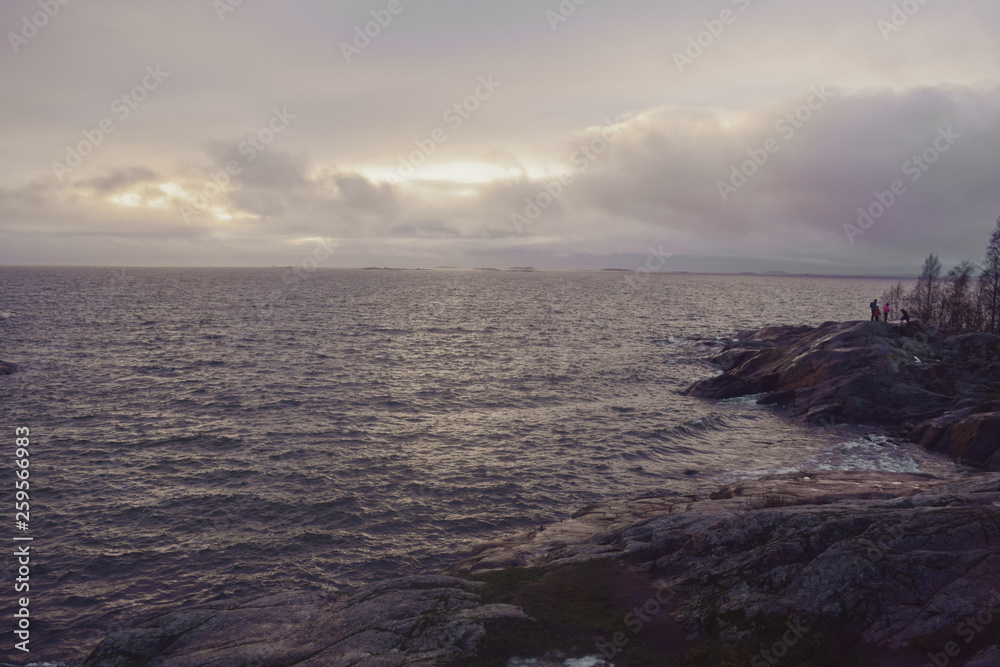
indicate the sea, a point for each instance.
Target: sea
{"x":199,"y":434}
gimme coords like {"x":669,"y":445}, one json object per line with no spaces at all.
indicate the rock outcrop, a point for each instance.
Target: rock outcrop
{"x":972,"y":434}
{"x":940,"y":388}
{"x":428,"y":620}
{"x":825,"y":568}
{"x":891,"y":568}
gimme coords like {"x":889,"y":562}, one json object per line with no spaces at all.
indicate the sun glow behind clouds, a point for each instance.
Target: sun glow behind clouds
{"x":129,"y":199}
{"x":177,"y":196}
{"x":145,"y":196}
{"x":461,"y":173}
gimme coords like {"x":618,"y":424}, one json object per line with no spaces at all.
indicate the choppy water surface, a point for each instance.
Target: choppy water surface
{"x":204,"y":433}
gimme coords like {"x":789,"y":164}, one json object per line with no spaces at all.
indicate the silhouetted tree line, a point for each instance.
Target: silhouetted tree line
{"x":967,"y":297}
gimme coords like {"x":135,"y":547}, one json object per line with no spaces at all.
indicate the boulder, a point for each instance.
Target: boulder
{"x":971,"y":435}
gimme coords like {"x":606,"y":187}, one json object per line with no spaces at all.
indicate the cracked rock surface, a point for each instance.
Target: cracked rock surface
{"x":890,"y":564}
{"x":898,"y":557}
{"x":425,"y":620}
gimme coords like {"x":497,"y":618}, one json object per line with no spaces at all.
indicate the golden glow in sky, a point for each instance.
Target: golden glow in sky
{"x":447,"y":133}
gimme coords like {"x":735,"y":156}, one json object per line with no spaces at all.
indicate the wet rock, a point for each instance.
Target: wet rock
{"x":971,"y":435}
{"x":730,"y":386}
{"x":7,"y":368}
{"x":886,"y":563}
{"x":989,"y":657}
{"x":876,"y":564}
{"x":416,"y":620}
{"x":895,"y":376}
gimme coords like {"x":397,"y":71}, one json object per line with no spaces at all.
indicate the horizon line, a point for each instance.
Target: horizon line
{"x":767,"y":274}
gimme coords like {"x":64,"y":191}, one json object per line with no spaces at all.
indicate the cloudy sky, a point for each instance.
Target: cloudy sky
{"x":734,"y":135}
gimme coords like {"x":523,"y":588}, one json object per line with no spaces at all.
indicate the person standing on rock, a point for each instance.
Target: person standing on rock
{"x":874,"y":307}
{"x":885,"y":313}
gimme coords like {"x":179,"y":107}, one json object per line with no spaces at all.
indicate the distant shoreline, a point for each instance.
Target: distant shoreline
{"x":775,"y":274}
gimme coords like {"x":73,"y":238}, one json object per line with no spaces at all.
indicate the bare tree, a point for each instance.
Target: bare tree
{"x":979,"y":306}
{"x":925,"y":296}
{"x":961,"y":300}
{"x":958,"y":304}
{"x":989,"y":283}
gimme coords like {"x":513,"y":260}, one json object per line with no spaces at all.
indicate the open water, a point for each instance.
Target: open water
{"x":199,"y":434}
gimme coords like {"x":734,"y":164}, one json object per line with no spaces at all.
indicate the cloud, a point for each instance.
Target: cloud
{"x":118,"y":180}
{"x":665,"y":173}
{"x":331,"y":172}
{"x":424,"y":229}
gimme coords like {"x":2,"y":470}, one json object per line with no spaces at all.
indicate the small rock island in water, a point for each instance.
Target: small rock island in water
{"x":813,"y":568}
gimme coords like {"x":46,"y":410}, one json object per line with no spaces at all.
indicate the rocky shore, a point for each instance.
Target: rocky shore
{"x":935,"y":387}
{"x":814,"y":569}
{"x":832,"y":568}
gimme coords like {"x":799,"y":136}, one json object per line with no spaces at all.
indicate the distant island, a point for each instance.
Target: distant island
{"x":522,"y":268}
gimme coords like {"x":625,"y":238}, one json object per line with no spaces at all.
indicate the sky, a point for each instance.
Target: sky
{"x":850,"y":137}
